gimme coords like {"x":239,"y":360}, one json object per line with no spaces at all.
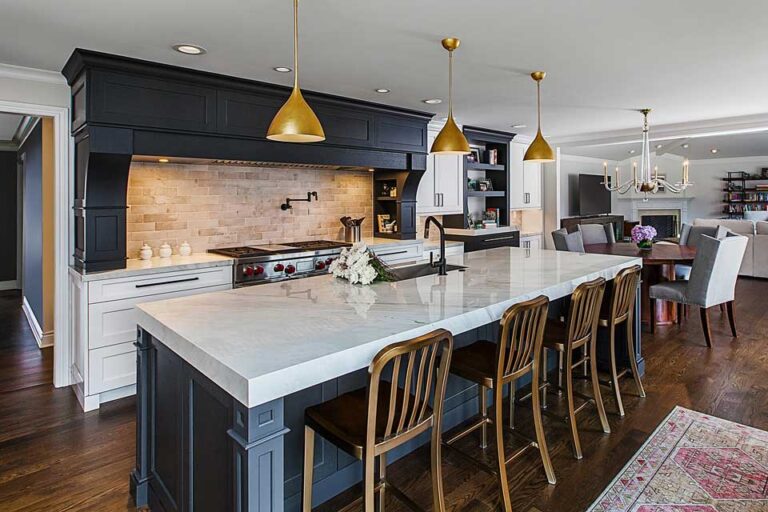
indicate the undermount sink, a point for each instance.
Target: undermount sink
{"x":424,"y":269}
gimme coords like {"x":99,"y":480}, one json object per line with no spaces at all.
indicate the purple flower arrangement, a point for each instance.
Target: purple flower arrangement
{"x":643,"y":236}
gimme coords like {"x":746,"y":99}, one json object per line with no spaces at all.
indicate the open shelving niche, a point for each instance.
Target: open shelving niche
{"x":476,"y":201}
{"x":738,"y":197}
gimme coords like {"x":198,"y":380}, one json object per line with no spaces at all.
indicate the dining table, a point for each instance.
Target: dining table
{"x":658,"y":265}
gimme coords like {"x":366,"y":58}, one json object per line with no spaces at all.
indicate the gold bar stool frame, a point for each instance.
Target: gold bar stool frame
{"x":622,"y":310}
{"x":495,"y":365}
{"x":579,"y":332}
{"x":369,"y":422}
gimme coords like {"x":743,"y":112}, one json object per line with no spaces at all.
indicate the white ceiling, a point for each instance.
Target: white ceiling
{"x":728,"y":146}
{"x":9,"y":123}
{"x":687,"y":59}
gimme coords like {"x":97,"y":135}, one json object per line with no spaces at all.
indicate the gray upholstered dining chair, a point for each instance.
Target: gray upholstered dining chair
{"x":712,"y":282}
{"x":597,"y":233}
{"x":690,"y":235}
{"x":565,"y":241}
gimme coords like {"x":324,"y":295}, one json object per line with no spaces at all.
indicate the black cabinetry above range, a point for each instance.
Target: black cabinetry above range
{"x":124,"y":107}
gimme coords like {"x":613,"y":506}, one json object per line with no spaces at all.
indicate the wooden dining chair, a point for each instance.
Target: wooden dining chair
{"x":621,"y":310}
{"x":577,"y":334}
{"x":496,"y":365}
{"x":712,"y":283}
{"x":370,"y":422}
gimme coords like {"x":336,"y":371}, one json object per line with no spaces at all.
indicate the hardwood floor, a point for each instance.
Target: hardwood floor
{"x":53,"y":457}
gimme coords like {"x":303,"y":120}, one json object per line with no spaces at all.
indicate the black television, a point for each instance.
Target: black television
{"x":594,"y":199}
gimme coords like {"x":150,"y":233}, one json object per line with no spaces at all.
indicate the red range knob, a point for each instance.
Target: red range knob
{"x":290,"y":269}
{"x":248,"y":270}
{"x":320,"y":265}
{"x":258,"y":270}
{"x":329,"y":261}
{"x":279,"y":267}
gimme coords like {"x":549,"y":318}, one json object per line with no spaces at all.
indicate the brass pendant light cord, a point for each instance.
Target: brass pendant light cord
{"x":450,"y":83}
{"x":296,"y":44}
{"x":538,"y":102}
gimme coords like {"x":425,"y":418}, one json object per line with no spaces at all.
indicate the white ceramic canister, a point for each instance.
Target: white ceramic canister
{"x":146,"y":252}
{"x":165,"y":251}
{"x":185,"y":249}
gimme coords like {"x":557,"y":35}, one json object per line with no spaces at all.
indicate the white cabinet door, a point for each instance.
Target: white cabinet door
{"x":426,"y":197}
{"x":449,"y":187}
{"x":532,"y":184}
{"x":516,"y":176}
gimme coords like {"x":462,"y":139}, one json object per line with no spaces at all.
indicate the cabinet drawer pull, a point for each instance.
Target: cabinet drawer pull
{"x":391,"y":253}
{"x":491,"y":240}
{"x":162,"y":283}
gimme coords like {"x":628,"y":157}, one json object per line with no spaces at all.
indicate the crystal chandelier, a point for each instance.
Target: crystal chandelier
{"x":647,"y":182}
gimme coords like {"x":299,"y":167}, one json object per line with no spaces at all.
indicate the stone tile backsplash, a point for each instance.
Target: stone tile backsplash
{"x":218,"y":206}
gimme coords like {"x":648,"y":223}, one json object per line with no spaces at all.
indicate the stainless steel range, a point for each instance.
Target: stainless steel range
{"x":260,"y":264}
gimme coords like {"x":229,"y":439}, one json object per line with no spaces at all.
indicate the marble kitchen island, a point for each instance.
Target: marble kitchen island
{"x":224,"y":377}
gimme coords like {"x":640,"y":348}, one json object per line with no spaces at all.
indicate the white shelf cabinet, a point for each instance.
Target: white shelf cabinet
{"x":104,"y":325}
{"x":525,"y":179}
{"x":441,"y":189}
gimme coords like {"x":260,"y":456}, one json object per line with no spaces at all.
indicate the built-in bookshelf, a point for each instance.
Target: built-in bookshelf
{"x":744,"y":192}
{"x":486,"y":178}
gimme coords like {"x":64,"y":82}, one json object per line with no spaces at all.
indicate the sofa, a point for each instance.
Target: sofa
{"x":755,"y":262}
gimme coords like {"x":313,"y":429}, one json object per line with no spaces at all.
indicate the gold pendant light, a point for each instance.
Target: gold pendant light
{"x":450,"y":140}
{"x":295,"y":121}
{"x":539,"y":150}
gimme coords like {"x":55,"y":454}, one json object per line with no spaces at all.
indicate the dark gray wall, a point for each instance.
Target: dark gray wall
{"x":32,"y":221}
{"x":8,"y":215}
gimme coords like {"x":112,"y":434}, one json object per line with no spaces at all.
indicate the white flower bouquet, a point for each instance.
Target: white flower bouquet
{"x":357,"y":264}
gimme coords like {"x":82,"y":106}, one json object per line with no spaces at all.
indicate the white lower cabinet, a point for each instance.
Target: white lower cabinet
{"x":399,"y":253}
{"x":452,"y":250}
{"x":104,"y":325}
{"x":530,"y":242}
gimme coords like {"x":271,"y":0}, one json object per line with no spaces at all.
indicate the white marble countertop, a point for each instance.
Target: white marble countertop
{"x":137,"y":267}
{"x":479,"y":232}
{"x":263,"y":342}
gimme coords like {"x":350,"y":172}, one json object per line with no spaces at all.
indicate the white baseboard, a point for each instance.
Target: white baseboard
{"x":9,"y":285}
{"x":43,"y":339}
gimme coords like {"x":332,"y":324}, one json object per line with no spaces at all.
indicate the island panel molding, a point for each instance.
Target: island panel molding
{"x":343,"y":326}
{"x":123,"y":107}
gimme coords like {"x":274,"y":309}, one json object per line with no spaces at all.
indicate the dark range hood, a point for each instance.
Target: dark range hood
{"x":124,"y":107}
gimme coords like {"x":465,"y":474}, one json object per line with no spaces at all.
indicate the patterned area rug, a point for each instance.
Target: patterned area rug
{"x":693,"y":463}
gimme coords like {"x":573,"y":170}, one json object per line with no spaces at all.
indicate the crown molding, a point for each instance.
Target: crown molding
{"x":583,"y":159}
{"x":694,"y":129}
{"x":757,"y":160}
{"x":8,"y":146}
{"x":31,"y":74}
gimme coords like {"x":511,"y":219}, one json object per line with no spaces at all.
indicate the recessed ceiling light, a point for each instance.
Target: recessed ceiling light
{"x":163,"y":160}
{"x":433,"y":101}
{"x":518,"y":125}
{"x":631,"y":151}
{"x":282,"y":69}
{"x":685,"y":146}
{"x":189,"y":49}
{"x":713,"y":150}
{"x":382,"y":90}
{"x":659,"y":146}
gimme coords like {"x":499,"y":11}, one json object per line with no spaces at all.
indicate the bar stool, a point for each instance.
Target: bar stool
{"x":494,"y":365}
{"x":369,"y":422}
{"x":579,"y":332}
{"x":622,"y":310}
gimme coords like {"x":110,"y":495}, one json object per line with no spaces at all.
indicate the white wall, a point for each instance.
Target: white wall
{"x":570,"y":168}
{"x":708,"y":188}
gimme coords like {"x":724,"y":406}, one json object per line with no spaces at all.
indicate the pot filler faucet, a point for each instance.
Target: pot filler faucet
{"x":441,"y":263}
